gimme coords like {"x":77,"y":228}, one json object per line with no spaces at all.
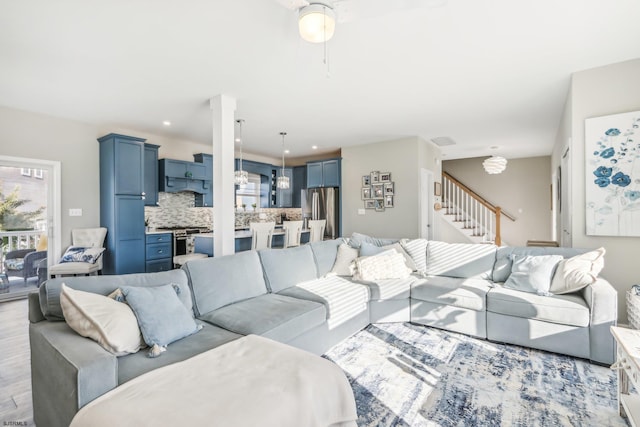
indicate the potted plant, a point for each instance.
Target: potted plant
{"x":146,"y":225}
{"x":254,"y":205}
{"x":244,"y":207}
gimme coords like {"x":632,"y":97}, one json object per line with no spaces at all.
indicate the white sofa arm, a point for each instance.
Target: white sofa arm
{"x":602,"y":300}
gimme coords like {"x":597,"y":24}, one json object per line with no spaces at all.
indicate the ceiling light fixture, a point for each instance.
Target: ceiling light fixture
{"x":494,"y":165}
{"x":241,"y":177}
{"x":317,"y":22}
{"x":166,"y":123}
{"x":283,"y":181}
{"x":314,"y":147}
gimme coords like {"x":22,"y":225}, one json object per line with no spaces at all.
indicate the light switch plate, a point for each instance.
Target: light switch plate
{"x":75,"y":212}
{"x":361,"y":211}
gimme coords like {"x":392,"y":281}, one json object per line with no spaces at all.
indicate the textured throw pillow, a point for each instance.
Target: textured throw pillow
{"x":577,"y":272}
{"x":345,"y":257}
{"x":161,"y":315}
{"x":110,"y":323}
{"x":532,"y":273}
{"x":385,"y":265}
{"x":14,"y":264}
{"x":80,"y":254}
{"x":368,"y":249}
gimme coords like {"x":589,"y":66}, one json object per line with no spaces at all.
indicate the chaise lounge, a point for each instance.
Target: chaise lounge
{"x":304,"y":297}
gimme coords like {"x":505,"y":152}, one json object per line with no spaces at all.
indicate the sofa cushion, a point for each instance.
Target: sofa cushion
{"x":577,"y":272}
{"x":532,"y":273}
{"x":219,"y":281}
{"x":391,"y":289}
{"x":570,"y":309}
{"x":104,"y":285}
{"x":110,"y":323}
{"x":502,"y":266}
{"x":287,"y":267}
{"x":464,"y":260}
{"x":161,"y":316}
{"x":274,"y":316}
{"x":357,"y":239}
{"x":325,"y":253}
{"x":342,"y":298}
{"x":457,"y":292}
{"x":417,"y":250}
{"x":210,"y":336}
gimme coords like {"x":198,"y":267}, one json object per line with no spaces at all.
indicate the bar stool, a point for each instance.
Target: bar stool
{"x":316,"y":228}
{"x":292,"y":231}
{"x":261,"y":234}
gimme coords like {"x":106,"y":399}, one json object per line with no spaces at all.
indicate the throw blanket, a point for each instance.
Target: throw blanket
{"x":252,"y":381}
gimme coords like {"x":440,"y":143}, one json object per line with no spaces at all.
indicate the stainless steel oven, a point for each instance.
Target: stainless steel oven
{"x":183,"y":240}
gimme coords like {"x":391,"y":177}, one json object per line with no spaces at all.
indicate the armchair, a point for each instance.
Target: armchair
{"x":23,"y":263}
{"x":82,"y":237}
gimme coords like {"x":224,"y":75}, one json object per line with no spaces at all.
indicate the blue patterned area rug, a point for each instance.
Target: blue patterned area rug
{"x":411,"y":375}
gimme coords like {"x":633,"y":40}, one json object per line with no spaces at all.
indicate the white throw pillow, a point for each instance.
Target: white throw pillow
{"x":344,"y":264}
{"x":417,"y":250}
{"x":532,"y":273}
{"x":577,"y":272}
{"x":110,"y":323}
{"x":386,"y":265}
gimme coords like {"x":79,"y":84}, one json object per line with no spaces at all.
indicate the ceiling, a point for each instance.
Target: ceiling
{"x":482,"y":72}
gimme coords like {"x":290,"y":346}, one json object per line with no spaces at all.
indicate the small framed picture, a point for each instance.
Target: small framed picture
{"x":366,"y":180}
{"x":388,"y":201}
{"x":385,"y":177}
{"x":370,"y":204}
{"x":388,"y":189}
{"x":375,"y":177}
{"x":366,"y":193}
{"x":379,"y":205}
{"x":377,"y":191}
{"x":437,"y":189}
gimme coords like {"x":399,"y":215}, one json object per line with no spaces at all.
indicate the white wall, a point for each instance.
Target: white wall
{"x":598,"y":92}
{"x":523,"y":190}
{"x":403,"y":159}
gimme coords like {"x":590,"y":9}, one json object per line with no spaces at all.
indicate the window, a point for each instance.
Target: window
{"x":249,"y":194}
{"x":25,"y":171}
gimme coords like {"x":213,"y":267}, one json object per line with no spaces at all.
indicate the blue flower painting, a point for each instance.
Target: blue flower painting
{"x":613,"y":175}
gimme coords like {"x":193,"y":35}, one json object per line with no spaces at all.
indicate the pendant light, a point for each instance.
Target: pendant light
{"x":241,"y":176}
{"x":495,"y":165}
{"x":283,"y":181}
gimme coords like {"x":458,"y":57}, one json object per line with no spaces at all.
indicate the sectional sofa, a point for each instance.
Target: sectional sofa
{"x":292,"y":296}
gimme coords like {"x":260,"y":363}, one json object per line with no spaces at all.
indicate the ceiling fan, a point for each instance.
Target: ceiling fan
{"x":317,"y":18}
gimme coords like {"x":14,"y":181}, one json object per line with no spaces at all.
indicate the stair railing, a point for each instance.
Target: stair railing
{"x":468,"y":207}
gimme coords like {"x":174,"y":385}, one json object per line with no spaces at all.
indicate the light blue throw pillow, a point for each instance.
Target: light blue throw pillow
{"x":161,"y":316}
{"x":532,"y":273}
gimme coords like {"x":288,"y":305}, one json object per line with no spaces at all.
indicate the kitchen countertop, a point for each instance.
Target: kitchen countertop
{"x":244,"y":234}
{"x":158,"y":232}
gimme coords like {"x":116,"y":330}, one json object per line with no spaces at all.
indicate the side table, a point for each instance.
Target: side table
{"x":628,"y":366}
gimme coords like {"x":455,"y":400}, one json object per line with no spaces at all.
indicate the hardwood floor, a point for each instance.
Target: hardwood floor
{"x":16,"y":408}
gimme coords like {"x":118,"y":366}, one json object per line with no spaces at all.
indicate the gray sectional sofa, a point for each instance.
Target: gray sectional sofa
{"x":288,"y":295}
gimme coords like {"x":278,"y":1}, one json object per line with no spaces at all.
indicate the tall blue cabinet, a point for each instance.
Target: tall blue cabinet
{"x":122,"y":199}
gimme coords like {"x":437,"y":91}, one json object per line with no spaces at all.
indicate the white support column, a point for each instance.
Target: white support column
{"x":223,"y":109}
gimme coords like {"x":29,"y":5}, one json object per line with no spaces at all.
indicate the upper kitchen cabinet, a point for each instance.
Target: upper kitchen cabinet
{"x":178,"y":175}
{"x":298,"y":184}
{"x":151,"y":174}
{"x":122,"y":199}
{"x":324,"y":173}
{"x":284,"y":198}
{"x":205,"y":199}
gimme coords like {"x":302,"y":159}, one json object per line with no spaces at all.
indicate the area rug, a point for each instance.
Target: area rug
{"x":411,"y":375}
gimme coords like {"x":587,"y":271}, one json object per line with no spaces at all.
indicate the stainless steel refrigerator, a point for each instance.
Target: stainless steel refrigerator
{"x":323,"y":203}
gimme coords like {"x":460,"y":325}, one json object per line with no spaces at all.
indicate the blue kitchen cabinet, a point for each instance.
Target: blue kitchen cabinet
{"x":299,"y":184}
{"x":151,"y":174}
{"x":206,"y":198}
{"x":178,"y":175}
{"x":122,"y":203}
{"x":158,"y":252}
{"x":324,"y":173}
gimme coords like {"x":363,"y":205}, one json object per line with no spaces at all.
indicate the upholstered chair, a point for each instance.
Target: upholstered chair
{"x":81,"y":238}
{"x":316,"y":230}
{"x":261,"y":234}
{"x":292,"y":231}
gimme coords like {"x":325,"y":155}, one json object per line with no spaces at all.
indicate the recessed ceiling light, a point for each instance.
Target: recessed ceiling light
{"x":237,"y":139}
{"x":166,"y":123}
{"x":494,"y":147}
{"x":286,"y":151}
{"x":314,"y":147}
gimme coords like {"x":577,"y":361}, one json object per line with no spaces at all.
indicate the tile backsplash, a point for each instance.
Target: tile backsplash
{"x":177,"y":210}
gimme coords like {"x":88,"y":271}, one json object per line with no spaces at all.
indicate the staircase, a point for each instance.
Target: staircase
{"x":470,"y":213}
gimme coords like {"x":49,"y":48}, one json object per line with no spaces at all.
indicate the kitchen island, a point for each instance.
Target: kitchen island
{"x":204,"y":241}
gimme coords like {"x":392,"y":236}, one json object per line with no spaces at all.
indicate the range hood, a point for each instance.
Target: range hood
{"x":177,"y":175}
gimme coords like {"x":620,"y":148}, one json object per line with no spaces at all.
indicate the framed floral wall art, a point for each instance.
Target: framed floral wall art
{"x":612,"y":153}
